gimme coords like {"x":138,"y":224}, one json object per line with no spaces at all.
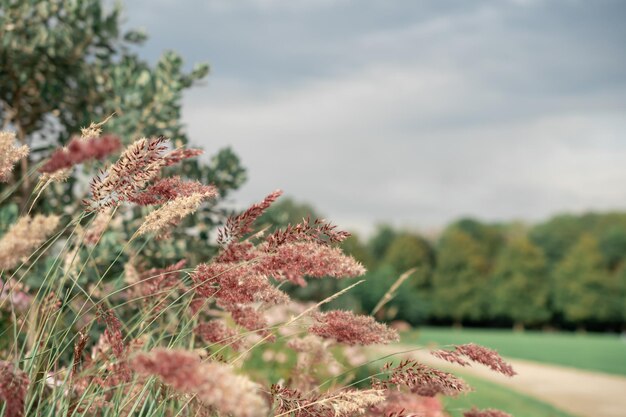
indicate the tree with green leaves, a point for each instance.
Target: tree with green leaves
{"x":521,"y":284}
{"x":409,"y":250}
{"x":466,"y":253}
{"x":67,"y":63}
{"x":584,"y":291}
{"x":382,"y":239}
{"x":408,"y":303}
{"x":612,"y":244}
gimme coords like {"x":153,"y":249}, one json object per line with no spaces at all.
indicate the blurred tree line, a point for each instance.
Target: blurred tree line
{"x":568,"y":272}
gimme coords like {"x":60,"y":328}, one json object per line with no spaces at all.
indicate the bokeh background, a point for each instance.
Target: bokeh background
{"x":475,"y":148}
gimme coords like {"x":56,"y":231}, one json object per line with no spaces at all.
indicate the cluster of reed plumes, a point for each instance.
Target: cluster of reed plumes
{"x":216,"y":339}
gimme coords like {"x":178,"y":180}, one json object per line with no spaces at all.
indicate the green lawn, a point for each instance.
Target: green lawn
{"x":596,"y":352}
{"x":489,"y":395}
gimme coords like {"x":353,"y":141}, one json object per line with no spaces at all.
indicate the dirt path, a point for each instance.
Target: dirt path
{"x":581,"y":393}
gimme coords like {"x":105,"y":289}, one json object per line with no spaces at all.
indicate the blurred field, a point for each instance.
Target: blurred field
{"x":490,"y":395}
{"x":595,"y":352}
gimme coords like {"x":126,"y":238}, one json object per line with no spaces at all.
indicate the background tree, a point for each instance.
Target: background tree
{"x":556,"y":236}
{"x":520,"y":284}
{"x":358,"y":249}
{"x":381,"y":240}
{"x":409,"y":250}
{"x":612,"y":243}
{"x":412,"y":301}
{"x":583,"y":290}
{"x":409,"y":304}
{"x":67,"y":63}
{"x":621,"y":297}
{"x":465,"y":257}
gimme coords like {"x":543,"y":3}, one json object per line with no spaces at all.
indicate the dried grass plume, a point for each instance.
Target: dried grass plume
{"x":213,"y":383}
{"x":9,"y":154}
{"x":171,"y":213}
{"x":24,"y":237}
{"x":13,"y":387}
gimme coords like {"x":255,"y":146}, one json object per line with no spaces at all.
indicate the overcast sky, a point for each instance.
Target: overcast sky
{"x":411,"y":112}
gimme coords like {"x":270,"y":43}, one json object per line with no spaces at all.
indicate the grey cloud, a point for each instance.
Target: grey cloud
{"x":411,"y":112}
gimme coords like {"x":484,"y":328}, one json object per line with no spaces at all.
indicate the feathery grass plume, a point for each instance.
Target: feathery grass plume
{"x":9,"y":154}
{"x":478,"y":354}
{"x":332,"y":404}
{"x":238,"y":252}
{"x":159,"y":280}
{"x":13,"y":386}
{"x":346,"y":327}
{"x":94,"y":129}
{"x":79,"y":348}
{"x":169,"y":215}
{"x":312,"y":350}
{"x":113,"y":332}
{"x":216,"y":331}
{"x":490,"y":412}
{"x":178,"y":155}
{"x":79,"y":150}
{"x":286,"y":401}
{"x":197,"y":304}
{"x":24,"y":237}
{"x":103,"y":374}
{"x":241,"y":225}
{"x":234,"y":284}
{"x":353,"y":402}
{"x":313,"y":353}
{"x":399,"y":403}
{"x":138,"y":164}
{"x":294,"y":261}
{"x":167,"y":189}
{"x":57,"y":176}
{"x":112,"y":340}
{"x":450,"y":356}
{"x":421,"y":379}
{"x":158,"y":283}
{"x":279,"y":314}
{"x":319,"y":231}
{"x":215,"y":384}
{"x":251,"y":319}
